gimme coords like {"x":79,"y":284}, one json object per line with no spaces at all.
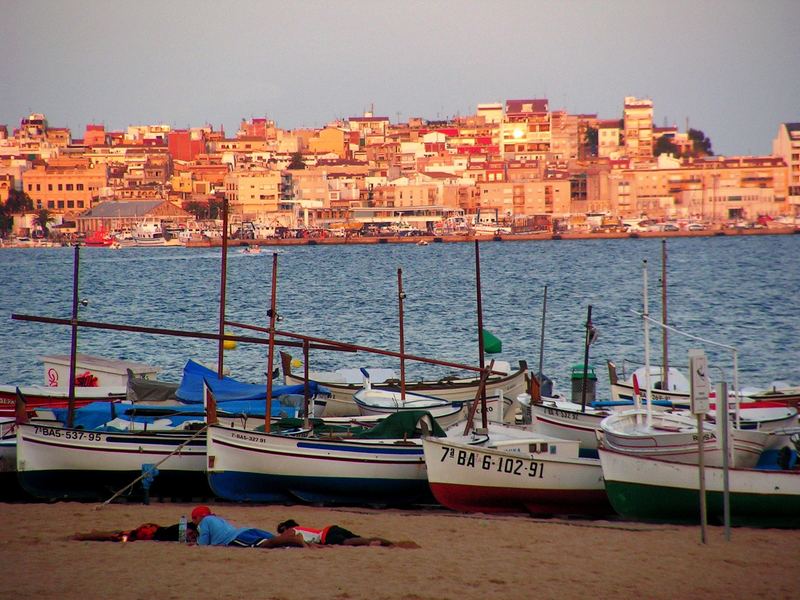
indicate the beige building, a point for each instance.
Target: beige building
{"x":638,"y":127}
{"x":63,"y":189}
{"x":252,"y":195}
{"x":525,"y":132}
{"x":787,"y":146}
{"x":713,"y":190}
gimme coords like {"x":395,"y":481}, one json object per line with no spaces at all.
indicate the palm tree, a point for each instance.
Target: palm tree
{"x":42,"y":219}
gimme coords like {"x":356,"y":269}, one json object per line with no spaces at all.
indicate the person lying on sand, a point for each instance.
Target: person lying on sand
{"x":333,"y":535}
{"x":145,"y":531}
{"x":216,"y":531}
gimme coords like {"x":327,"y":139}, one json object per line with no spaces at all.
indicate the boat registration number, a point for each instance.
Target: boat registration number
{"x":67,"y":434}
{"x":487,"y":462}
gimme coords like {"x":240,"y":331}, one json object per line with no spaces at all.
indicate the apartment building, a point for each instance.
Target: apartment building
{"x":252,"y":195}
{"x":525,"y":131}
{"x":637,"y":117}
{"x":786,"y":145}
{"x":715,"y":190}
{"x":64,"y":189}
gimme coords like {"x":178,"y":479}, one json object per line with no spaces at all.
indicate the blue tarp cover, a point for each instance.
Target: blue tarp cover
{"x":97,"y":414}
{"x":191,"y":388}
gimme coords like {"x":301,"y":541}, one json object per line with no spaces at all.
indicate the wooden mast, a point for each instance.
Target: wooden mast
{"x":73,"y":349}
{"x":222,"y":286}
{"x":484,"y":417}
{"x":664,"y":348}
{"x":400,"y":297}
{"x":273,"y":315}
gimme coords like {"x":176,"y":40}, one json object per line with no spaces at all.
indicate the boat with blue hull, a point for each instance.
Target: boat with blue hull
{"x":249,"y":466}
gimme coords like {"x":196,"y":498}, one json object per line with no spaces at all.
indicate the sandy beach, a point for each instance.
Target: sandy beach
{"x":462,"y":557}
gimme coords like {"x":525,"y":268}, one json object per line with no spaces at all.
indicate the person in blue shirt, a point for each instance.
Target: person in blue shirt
{"x":216,"y":531}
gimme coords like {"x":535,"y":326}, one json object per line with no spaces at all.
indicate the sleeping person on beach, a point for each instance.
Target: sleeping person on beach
{"x":144,"y":532}
{"x":333,"y":535}
{"x":216,"y":531}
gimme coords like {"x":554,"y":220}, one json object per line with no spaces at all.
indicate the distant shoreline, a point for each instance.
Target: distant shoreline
{"x":449,"y":239}
{"x":505,"y":237}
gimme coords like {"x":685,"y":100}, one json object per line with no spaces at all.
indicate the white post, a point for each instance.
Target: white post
{"x":698,"y":379}
{"x":722,"y":392}
{"x":646,"y":346}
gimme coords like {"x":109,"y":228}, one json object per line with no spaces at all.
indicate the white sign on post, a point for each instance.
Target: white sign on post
{"x":700,"y":388}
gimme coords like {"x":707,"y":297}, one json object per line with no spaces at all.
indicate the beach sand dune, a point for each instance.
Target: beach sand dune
{"x":462,"y":557}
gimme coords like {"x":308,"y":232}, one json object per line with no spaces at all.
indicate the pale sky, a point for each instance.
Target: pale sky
{"x":731,"y":67}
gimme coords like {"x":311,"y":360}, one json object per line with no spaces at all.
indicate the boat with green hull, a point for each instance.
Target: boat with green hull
{"x":649,"y":489}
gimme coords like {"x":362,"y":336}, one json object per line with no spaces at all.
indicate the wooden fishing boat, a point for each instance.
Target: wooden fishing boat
{"x":253,"y":466}
{"x":674,"y":437}
{"x":453,"y":389}
{"x":651,"y":489}
{"x":56,"y":462}
{"x":514,"y":470}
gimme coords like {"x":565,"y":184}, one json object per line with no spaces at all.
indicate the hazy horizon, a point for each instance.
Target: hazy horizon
{"x":729,"y":68}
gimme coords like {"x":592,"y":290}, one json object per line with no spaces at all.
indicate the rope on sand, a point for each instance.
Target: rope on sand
{"x":143,"y":475}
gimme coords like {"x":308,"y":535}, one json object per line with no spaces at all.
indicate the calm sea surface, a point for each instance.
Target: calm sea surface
{"x":740,"y":291}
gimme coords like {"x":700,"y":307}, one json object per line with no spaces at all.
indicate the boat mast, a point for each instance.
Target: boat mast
{"x":222,"y":286}
{"x":646,"y":316}
{"x":664,"y":347}
{"x":400,"y":297}
{"x":484,"y":418}
{"x":73,"y":349}
{"x":273,"y":315}
{"x":587,"y":343}
{"x":541,"y":342}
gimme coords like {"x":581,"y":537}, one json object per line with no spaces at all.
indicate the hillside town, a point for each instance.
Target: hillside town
{"x":510,"y":168}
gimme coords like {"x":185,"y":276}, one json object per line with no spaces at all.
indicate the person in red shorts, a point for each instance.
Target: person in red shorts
{"x":334,"y":535}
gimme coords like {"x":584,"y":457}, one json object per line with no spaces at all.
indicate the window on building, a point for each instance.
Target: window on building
{"x":30,"y":187}
{"x":60,"y":187}
{"x":79,"y":187}
{"x":49,"y":187}
{"x":50,"y":204}
{"x":38,"y":188}
{"x":80,"y":203}
{"x":60,"y":204}
{"x":70,"y":204}
{"x":69,"y":187}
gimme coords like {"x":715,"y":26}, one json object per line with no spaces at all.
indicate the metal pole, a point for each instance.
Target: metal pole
{"x":541,"y":340}
{"x":722,"y":392}
{"x":701,"y":473}
{"x":73,"y":349}
{"x":222,"y":286}
{"x":484,"y":418}
{"x":271,"y":353}
{"x":586,"y":359}
{"x":646,"y":315}
{"x":664,"y":347}
{"x":306,"y":385}
{"x":400,"y":297}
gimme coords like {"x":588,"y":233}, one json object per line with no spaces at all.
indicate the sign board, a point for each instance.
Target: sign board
{"x":700,"y":388}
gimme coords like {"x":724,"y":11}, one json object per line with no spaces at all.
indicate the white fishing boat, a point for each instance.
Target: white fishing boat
{"x":676,"y":390}
{"x":345,"y":382}
{"x":56,"y":462}
{"x":510,"y":470}
{"x":386,"y":402}
{"x":253,"y":466}
{"x":648,"y":488}
{"x":674,"y":437}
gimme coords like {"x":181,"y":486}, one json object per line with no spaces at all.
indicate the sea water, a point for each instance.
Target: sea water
{"x":741,"y":291}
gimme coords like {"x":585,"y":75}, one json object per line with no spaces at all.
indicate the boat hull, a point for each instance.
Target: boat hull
{"x":39,"y":396}
{"x":248,"y":466}
{"x":476,"y":479}
{"x":63,"y":463}
{"x":452,"y":390}
{"x":655,"y":490}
